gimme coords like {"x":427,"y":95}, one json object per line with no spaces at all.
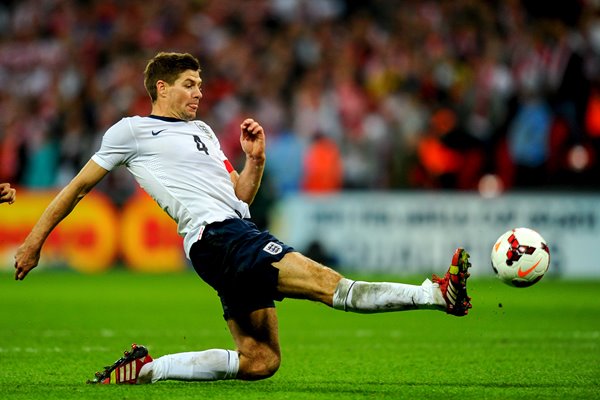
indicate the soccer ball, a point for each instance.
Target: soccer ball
{"x":520,"y":257}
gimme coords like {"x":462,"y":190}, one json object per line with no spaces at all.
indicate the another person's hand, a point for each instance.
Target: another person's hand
{"x":7,"y":194}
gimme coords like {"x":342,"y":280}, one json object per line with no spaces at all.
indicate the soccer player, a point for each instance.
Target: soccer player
{"x":179,"y":162}
{"x":7,"y":194}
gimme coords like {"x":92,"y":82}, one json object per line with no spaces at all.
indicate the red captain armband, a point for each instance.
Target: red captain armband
{"x":228,"y":166}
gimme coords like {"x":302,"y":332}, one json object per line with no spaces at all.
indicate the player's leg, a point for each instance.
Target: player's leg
{"x":137,"y":366}
{"x":257,"y":340}
{"x":301,"y":277}
{"x":206,"y":365}
{"x":257,"y":356}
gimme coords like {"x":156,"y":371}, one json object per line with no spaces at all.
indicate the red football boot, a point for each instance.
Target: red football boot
{"x":126,"y":369}
{"x":454,"y":284}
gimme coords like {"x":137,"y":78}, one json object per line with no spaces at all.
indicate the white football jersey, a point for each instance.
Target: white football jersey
{"x":180,"y":164}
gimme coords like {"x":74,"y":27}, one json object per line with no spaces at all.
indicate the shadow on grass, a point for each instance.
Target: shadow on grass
{"x":301,"y":389}
{"x":375,"y":387}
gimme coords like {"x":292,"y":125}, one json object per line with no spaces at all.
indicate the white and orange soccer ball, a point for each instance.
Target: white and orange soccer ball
{"x":520,"y":257}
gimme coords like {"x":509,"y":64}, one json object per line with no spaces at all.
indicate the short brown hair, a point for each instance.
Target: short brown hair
{"x":167,"y":67}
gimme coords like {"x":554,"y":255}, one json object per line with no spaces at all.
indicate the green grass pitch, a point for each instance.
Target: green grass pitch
{"x":543,"y":342}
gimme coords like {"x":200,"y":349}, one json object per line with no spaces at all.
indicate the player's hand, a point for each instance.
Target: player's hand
{"x":7,"y":194}
{"x":252,"y":140}
{"x":26,"y":259}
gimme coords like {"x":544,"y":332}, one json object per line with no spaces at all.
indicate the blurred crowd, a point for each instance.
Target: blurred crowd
{"x":381,"y":94}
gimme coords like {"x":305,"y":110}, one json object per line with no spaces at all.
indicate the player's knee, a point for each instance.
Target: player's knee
{"x":261,"y":366}
{"x":267,"y":367}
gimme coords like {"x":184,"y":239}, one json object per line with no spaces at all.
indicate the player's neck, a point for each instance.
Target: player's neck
{"x":166,"y":113}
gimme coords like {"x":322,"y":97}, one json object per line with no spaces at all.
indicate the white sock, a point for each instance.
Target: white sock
{"x":208,"y":365}
{"x":375,"y":297}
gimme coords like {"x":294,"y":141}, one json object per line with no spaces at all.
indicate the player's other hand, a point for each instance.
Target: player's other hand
{"x":26,"y":259}
{"x":7,"y":194}
{"x":252,"y":140}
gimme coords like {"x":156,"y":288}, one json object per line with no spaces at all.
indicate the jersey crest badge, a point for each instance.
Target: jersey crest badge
{"x":273,"y":248}
{"x":203,"y":129}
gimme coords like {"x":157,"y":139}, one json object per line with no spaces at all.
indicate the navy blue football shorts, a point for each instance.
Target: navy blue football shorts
{"x":235,"y":257}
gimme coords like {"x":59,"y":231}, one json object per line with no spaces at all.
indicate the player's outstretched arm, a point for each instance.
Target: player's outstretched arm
{"x":252,"y":139}
{"x":28,"y":254}
{"x":7,"y":194}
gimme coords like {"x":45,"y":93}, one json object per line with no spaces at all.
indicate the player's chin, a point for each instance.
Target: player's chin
{"x":191,"y":113}
{"x":188,"y":116}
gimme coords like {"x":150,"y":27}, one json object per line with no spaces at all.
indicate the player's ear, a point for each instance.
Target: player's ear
{"x":161,"y":88}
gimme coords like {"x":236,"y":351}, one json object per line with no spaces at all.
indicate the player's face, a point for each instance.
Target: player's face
{"x":184,"y":95}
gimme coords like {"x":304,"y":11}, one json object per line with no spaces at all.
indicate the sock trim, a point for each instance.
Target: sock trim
{"x":341,"y":294}
{"x":233,"y":364}
{"x":348,"y":295}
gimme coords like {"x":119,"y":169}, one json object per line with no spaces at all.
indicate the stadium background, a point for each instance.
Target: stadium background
{"x":417,"y":125}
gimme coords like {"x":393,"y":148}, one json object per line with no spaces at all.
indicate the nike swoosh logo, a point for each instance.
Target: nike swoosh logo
{"x":523,"y":274}
{"x":154,"y":133}
{"x":497,"y":246}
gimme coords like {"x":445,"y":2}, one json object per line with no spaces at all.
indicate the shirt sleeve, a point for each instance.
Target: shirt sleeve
{"x":228,"y":166}
{"x":118,"y":146}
